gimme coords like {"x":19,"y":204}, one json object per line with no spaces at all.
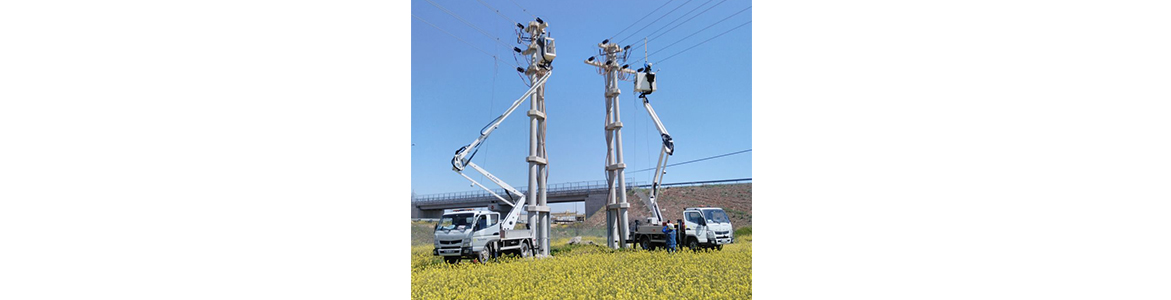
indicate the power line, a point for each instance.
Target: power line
{"x":705,"y":41}
{"x":697,"y":32}
{"x":485,"y":33}
{"x":523,"y":9}
{"x":701,"y":30}
{"x":497,"y":11}
{"x":653,"y":22}
{"x":640,"y":19}
{"x":677,"y":26}
{"x":697,"y":160}
{"x":461,"y":40}
{"x":682,"y":16}
{"x":689,"y":20}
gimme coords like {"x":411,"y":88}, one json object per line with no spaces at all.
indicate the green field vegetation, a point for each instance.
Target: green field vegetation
{"x":423,"y":233}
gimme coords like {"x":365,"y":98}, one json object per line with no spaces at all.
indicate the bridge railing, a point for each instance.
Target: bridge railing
{"x":557,"y":190}
{"x":552,"y":190}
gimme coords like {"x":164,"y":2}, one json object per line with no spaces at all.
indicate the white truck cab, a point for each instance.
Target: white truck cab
{"x":707,"y":227}
{"x":477,"y":234}
{"x":463,"y":233}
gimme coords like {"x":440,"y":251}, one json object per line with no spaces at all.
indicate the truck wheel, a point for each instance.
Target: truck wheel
{"x":525,"y":251}
{"x":719,"y":247}
{"x":693,"y":244}
{"x":450,"y":260}
{"x":483,"y":255}
{"x":645,"y":242}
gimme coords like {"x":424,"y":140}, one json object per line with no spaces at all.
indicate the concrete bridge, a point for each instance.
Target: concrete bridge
{"x":593,"y":193}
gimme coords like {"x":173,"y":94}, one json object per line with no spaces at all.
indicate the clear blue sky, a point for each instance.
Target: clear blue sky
{"x":704,"y":96}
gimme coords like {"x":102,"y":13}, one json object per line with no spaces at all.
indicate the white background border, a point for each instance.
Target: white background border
{"x":908,"y":149}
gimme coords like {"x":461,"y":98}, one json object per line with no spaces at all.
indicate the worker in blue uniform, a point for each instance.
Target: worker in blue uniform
{"x":670,"y":232}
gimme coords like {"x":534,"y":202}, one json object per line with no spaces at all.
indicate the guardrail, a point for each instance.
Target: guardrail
{"x":558,"y":189}
{"x":552,"y":190}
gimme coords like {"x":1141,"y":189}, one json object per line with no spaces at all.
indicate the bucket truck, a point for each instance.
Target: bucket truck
{"x":706,"y":227}
{"x":483,"y":234}
{"x":649,"y":235}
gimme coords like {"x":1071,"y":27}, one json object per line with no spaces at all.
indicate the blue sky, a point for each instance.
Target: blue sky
{"x":704,"y":95}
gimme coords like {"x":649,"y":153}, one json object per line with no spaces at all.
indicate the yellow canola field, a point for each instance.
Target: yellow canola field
{"x":590,"y":272}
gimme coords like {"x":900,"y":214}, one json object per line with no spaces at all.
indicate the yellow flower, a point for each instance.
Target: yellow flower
{"x":589,"y":272}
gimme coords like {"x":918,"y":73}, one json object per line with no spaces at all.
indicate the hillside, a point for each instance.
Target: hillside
{"x":735,"y":199}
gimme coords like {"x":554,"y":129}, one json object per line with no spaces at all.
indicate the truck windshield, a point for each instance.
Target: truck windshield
{"x":715,"y":216}
{"x":456,"y":221}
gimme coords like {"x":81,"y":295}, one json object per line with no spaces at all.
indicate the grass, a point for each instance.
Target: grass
{"x":423,"y":233}
{"x":742,"y":231}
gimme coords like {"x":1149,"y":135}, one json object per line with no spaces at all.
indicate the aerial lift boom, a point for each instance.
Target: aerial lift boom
{"x":645,"y":84}
{"x":463,"y":159}
{"x":667,"y":150}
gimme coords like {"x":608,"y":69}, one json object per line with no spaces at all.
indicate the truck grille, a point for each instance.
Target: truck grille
{"x":450,"y":242}
{"x":721,"y":232}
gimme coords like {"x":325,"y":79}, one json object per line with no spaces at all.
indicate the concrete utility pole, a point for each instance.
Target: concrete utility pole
{"x":617,"y":226}
{"x":541,"y":53}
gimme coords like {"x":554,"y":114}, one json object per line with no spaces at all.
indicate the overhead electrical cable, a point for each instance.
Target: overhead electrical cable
{"x":705,"y":41}
{"x":461,"y":40}
{"x":682,"y":16}
{"x":523,"y":8}
{"x":696,"y":161}
{"x":651,"y":39}
{"x":653,"y":22}
{"x":697,"y":32}
{"x":485,"y":33}
{"x":640,"y":19}
{"x":497,"y":11}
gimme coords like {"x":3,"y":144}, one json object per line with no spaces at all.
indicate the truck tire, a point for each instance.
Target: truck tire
{"x":483,"y":255}
{"x":719,"y":247}
{"x":693,"y":244}
{"x":525,"y":250}
{"x":645,"y":243}
{"x":450,"y":259}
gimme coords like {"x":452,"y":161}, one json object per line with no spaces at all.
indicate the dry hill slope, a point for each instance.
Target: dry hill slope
{"x":735,"y":199}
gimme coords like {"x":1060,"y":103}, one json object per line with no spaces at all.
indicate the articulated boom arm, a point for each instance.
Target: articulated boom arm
{"x":668,"y":149}
{"x":509,"y":220}
{"x":463,"y":157}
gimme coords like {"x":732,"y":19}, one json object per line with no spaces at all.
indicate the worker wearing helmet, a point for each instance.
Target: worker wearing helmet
{"x":669,"y":230}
